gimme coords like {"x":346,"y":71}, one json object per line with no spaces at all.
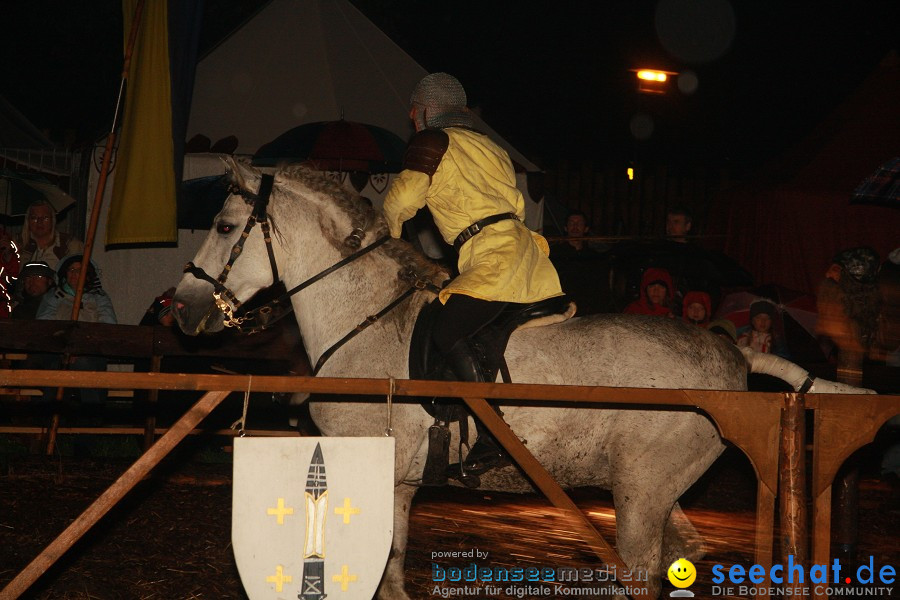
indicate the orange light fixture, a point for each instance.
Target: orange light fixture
{"x":649,"y":75}
{"x":653,"y":81}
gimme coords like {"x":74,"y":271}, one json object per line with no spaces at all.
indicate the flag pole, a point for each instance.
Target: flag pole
{"x":98,"y":202}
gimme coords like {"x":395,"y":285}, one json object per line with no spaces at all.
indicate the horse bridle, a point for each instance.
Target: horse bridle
{"x":263,"y":316}
{"x":260,"y":202}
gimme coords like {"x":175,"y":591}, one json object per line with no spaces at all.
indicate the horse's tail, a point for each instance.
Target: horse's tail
{"x":796,"y":376}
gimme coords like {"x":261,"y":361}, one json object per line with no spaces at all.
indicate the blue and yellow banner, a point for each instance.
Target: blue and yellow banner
{"x":148,"y":163}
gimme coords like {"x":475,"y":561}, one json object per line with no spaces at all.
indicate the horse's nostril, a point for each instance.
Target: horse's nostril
{"x":179,"y":305}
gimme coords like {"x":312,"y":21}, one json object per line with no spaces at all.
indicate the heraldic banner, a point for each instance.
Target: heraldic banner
{"x":312,"y":516}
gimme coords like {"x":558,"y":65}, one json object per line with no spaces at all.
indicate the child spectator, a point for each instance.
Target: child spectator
{"x":656,"y":294}
{"x":724,"y":328}
{"x":160,"y":312}
{"x":758,"y":335}
{"x":96,"y":307}
{"x":696,"y":308}
{"x":35,"y":280}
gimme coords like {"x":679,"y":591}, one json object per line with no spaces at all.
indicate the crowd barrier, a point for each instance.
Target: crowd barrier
{"x":767,"y":427}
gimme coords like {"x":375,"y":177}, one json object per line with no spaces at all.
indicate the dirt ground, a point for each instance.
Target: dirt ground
{"x":170,"y":538}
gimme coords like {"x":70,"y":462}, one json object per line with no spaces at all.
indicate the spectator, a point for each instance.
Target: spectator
{"x":96,"y":307}
{"x":697,"y":307}
{"x":724,"y":328}
{"x":576,"y":227}
{"x":758,"y":335}
{"x":678,"y":223}
{"x":35,"y":280}
{"x":849,"y":307}
{"x":9,"y":269}
{"x":656,"y":294}
{"x":582,"y":270}
{"x":160,"y":312}
{"x":40,"y":241}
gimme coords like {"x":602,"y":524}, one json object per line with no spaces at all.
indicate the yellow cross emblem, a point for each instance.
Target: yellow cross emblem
{"x":344,"y":577}
{"x":279,"y":578}
{"x":346,"y":510}
{"x":280,"y":511}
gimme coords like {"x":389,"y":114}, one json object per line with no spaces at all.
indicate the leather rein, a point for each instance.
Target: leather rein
{"x":262,"y":317}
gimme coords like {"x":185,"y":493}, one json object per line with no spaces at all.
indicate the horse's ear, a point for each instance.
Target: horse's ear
{"x":240,"y":172}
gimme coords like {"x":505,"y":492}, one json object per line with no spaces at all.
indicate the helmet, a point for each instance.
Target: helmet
{"x":444,"y":101}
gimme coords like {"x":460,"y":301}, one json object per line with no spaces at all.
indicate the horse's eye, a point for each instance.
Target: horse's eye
{"x":224,"y":228}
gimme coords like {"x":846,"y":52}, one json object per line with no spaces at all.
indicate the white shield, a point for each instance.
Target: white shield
{"x":312,"y":516}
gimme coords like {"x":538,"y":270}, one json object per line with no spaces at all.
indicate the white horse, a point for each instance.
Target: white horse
{"x":646,"y":458}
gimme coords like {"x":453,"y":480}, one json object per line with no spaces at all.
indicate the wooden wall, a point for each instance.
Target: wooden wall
{"x":617,"y":206}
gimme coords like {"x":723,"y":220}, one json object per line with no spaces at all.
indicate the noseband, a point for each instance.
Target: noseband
{"x":262,"y":317}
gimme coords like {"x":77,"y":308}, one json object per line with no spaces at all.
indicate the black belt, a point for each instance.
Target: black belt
{"x":470,"y":231}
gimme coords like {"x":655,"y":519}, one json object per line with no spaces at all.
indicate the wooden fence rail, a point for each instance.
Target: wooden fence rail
{"x":750,"y":420}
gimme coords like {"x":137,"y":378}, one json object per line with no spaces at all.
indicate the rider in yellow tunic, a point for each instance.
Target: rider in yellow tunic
{"x":468,"y":183}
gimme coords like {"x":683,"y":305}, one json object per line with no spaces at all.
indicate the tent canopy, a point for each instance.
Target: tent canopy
{"x":302,"y":61}
{"x":18,"y":132}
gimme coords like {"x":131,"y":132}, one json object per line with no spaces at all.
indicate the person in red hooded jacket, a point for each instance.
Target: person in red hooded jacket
{"x":696,"y":308}
{"x":657,"y":292}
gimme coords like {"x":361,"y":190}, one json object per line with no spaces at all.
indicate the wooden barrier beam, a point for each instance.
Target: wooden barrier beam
{"x":32,"y":430}
{"x":547,"y":484}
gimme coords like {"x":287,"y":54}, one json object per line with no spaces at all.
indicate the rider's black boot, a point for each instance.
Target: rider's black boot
{"x":485,"y":453}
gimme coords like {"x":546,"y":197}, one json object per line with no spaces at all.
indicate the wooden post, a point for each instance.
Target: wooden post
{"x":152,"y":397}
{"x":792,"y":482}
{"x":95,"y":213}
{"x":112,"y":495}
{"x":846,"y":483}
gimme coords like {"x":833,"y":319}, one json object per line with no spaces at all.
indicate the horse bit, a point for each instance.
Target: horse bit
{"x":275,"y":309}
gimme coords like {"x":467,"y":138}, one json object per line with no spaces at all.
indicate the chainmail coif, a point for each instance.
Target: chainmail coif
{"x":444,"y":100}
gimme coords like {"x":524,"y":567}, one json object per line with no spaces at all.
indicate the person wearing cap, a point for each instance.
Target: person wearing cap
{"x":469,"y":184}
{"x":657,"y":293}
{"x":35,"y":280}
{"x":758,"y":335}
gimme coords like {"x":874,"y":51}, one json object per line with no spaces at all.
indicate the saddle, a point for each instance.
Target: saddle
{"x":488,"y":347}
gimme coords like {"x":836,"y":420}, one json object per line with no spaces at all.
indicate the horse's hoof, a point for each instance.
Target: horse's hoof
{"x":470,"y":481}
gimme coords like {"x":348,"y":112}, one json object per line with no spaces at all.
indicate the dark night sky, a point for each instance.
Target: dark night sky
{"x":552,"y":77}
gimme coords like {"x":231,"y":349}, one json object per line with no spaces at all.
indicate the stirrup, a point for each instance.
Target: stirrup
{"x":484,"y":457}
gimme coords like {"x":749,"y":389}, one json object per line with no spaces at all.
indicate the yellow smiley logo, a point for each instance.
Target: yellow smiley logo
{"x":682,"y":573}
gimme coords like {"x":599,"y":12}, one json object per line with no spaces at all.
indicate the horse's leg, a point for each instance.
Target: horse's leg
{"x":681,"y":539}
{"x":392,"y":582}
{"x":412,"y":450}
{"x":640,"y":519}
{"x":647,"y":485}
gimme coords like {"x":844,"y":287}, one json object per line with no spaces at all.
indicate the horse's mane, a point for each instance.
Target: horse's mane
{"x":368,"y":220}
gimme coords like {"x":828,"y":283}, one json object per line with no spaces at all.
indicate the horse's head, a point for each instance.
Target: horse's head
{"x":233,"y":262}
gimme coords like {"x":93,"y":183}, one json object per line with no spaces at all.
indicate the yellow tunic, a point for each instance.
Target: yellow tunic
{"x":475,"y":179}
